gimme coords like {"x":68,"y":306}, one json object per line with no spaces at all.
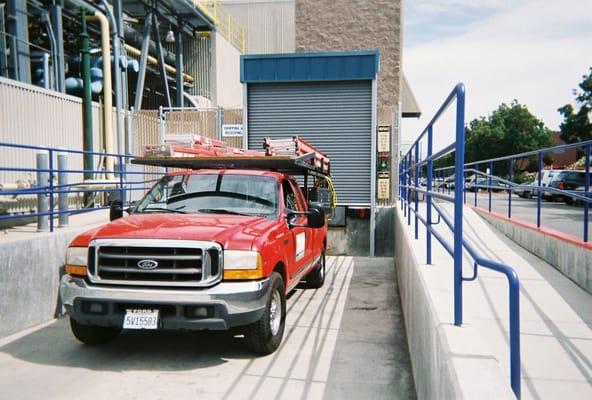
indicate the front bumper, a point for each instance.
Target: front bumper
{"x":228,"y":304}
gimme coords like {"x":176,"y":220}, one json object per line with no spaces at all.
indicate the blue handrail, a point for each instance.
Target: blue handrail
{"x":50,"y":189}
{"x":410,"y":168}
{"x":585,"y":197}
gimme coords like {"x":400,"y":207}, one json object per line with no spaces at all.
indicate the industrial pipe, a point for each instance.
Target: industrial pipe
{"x":107,"y":90}
{"x":153,"y":61}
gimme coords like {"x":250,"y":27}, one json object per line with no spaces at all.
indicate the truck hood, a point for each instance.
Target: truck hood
{"x":231,"y":231}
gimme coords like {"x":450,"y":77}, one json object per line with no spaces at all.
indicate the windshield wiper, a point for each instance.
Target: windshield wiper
{"x":219,"y":211}
{"x":172,"y":210}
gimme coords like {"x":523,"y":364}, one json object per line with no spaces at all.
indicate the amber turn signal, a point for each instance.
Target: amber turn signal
{"x":79,"y":270}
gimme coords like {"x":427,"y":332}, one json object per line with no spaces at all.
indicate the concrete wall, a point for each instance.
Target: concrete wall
{"x":226,"y":68}
{"x":323,"y":25}
{"x":448,"y":362}
{"x":30,"y":269}
{"x":572,"y":260}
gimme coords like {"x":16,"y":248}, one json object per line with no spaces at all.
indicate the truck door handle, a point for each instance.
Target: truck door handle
{"x":286,"y":241}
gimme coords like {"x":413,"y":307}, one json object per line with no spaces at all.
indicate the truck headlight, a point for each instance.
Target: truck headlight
{"x":77,"y":261}
{"x":242,"y":264}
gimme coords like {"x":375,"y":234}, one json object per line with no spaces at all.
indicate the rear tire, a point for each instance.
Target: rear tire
{"x":92,"y":334}
{"x":316,"y":278}
{"x":265,"y":336}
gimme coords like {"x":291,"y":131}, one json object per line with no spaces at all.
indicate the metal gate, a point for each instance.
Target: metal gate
{"x":334,"y":116}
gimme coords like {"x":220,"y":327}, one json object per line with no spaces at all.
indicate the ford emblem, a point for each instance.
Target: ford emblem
{"x":147,"y":264}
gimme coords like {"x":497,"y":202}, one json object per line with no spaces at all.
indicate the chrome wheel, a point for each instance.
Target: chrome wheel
{"x":275,"y":313}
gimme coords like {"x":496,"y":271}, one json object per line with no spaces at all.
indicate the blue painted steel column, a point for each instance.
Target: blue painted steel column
{"x":416,"y":184}
{"x":408,"y":190}
{"x":510,"y":189}
{"x":586,"y":193}
{"x":458,"y":205}
{"x":540,"y":191}
{"x":430,"y":174}
{"x":489,"y":183}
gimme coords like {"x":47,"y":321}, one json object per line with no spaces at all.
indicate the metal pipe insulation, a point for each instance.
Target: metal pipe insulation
{"x":107,"y":89}
{"x":117,"y":77}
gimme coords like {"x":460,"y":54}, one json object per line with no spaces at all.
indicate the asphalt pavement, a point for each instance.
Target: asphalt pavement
{"x":346,"y":340}
{"x":554,"y":215}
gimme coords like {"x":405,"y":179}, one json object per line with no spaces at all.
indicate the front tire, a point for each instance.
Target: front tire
{"x":316,"y":277}
{"x":264,"y":336}
{"x":92,"y":334}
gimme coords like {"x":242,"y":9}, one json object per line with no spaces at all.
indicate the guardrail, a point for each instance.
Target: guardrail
{"x":52,"y":181}
{"x":585,"y":197}
{"x":410,"y":168}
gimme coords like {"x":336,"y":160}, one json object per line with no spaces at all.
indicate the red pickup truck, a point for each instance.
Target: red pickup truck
{"x":210,"y":249}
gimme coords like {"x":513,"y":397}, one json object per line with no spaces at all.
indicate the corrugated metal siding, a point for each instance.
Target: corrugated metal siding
{"x":197,"y":58}
{"x":269,"y":24}
{"x":334,"y":116}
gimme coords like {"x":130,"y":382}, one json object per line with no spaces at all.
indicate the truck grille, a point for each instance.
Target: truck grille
{"x":155,"y":262}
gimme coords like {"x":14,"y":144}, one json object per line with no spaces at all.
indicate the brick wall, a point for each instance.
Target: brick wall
{"x":323,"y":25}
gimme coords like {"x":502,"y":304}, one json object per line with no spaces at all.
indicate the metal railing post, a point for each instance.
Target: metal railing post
{"x":416,"y":184}
{"x":515,"y":363}
{"x":458,"y":205}
{"x":408,"y":189}
{"x":122,"y":196}
{"x":510,"y":188}
{"x":42,"y":198}
{"x":51,"y":192}
{"x":586,"y":193}
{"x":489,"y":183}
{"x":63,"y":217}
{"x":475,"y":184}
{"x":540,"y":191}
{"x":429,"y":178}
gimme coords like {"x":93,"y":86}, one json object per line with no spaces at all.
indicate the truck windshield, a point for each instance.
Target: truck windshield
{"x":213,"y":194}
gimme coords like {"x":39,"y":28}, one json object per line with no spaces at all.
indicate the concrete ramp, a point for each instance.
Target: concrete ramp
{"x":556,"y":318}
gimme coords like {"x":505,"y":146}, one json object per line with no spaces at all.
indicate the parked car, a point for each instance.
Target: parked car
{"x":547,"y":176}
{"x":525,"y":190}
{"x":476,"y":183}
{"x":581,"y":191}
{"x":566,"y":180}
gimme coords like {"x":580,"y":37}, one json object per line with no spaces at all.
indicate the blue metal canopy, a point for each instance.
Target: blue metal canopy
{"x":303,"y":67}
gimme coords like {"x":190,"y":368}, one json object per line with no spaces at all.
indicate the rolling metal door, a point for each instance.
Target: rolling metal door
{"x":334,"y":116}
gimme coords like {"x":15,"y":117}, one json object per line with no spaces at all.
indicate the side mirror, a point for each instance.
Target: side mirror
{"x":316,"y":216}
{"x":116,"y":210}
{"x":132,"y":207}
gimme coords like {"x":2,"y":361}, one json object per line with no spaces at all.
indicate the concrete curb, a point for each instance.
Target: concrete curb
{"x":448,"y":362}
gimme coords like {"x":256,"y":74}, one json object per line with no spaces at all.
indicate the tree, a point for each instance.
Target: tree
{"x":510,"y":129}
{"x":576,"y":126}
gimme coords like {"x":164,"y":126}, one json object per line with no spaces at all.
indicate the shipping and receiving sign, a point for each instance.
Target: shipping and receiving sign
{"x":383,"y":189}
{"x":384,"y":138}
{"x":232,"y":130}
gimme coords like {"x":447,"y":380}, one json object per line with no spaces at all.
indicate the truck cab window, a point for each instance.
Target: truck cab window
{"x":290,"y":202}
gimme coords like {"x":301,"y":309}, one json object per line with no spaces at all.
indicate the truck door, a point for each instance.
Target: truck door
{"x":296,"y":242}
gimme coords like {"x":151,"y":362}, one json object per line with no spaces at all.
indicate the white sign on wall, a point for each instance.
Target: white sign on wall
{"x":232,"y":130}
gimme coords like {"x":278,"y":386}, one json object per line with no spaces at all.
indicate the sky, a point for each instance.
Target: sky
{"x":534,"y":51}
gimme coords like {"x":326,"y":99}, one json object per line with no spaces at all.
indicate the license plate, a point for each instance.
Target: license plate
{"x":140,"y":319}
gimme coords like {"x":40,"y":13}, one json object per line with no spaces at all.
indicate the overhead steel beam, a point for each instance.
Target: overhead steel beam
{"x":179,"y":65}
{"x":57,"y":27}
{"x":161,"y":63}
{"x":18,"y":28}
{"x":3,"y":52}
{"x":143,"y":61}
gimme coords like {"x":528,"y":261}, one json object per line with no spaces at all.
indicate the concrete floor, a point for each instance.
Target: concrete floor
{"x":344,"y":341}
